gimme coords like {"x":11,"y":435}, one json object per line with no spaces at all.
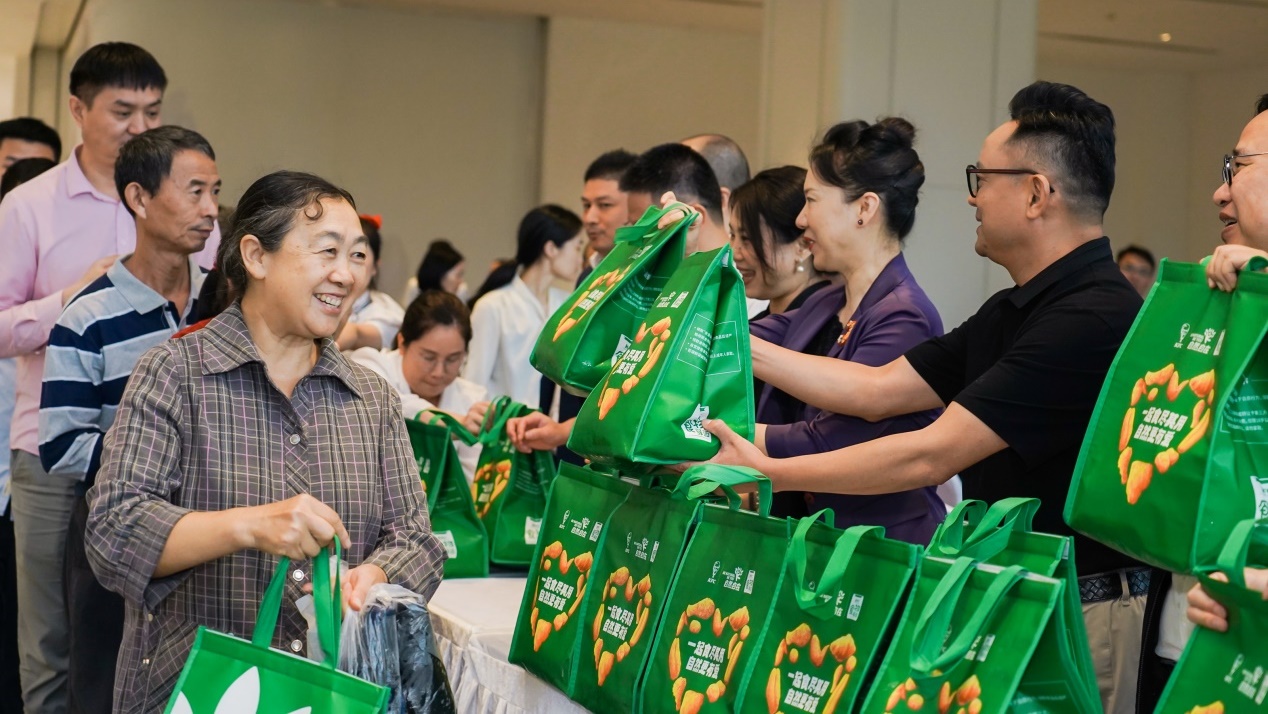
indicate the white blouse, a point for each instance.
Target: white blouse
{"x":504,"y":325}
{"x":379,"y":309}
{"x":457,"y":399}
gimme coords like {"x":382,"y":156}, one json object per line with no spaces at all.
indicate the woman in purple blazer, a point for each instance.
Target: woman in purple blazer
{"x":860,"y":203}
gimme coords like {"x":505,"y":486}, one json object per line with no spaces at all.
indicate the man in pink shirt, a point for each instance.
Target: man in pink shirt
{"x":61,"y":231}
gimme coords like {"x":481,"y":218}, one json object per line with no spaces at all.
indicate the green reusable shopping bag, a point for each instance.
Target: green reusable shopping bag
{"x":1004,"y":535}
{"x":580,"y":341}
{"x":1227,"y":672}
{"x":228,"y":674}
{"x":509,"y":489}
{"x":548,"y":633}
{"x":638,"y":557}
{"x":690,"y":361}
{"x":719,"y":600}
{"x":836,"y":609}
{"x":969,"y":643}
{"x":449,"y":505}
{"x":1180,"y":423}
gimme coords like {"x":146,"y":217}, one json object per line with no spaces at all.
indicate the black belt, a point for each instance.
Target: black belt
{"x":1109,"y":586}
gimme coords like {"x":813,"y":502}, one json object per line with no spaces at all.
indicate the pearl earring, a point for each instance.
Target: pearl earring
{"x":801,"y":268}
{"x":860,"y":221}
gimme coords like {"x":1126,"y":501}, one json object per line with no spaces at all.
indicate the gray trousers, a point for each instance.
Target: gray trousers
{"x":42,"y":506}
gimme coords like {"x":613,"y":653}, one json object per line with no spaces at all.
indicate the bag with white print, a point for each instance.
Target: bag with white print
{"x":1181,"y":423}
{"x":689,"y":361}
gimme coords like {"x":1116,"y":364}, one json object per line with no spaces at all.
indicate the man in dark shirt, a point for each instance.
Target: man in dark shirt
{"x":1020,"y":378}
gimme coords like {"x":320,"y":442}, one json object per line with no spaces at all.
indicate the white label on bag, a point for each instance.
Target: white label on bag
{"x":856,"y":606}
{"x":532,"y":528}
{"x":1260,"y":485}
{"x":446,"y":539}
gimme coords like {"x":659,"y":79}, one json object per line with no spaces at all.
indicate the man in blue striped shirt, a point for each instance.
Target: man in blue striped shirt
{"x":168,"y":181}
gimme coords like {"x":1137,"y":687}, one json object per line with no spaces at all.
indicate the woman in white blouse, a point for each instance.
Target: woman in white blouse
{"x":430,"y":349}
{"x":516,"y":299}
{"x":375,"y":316}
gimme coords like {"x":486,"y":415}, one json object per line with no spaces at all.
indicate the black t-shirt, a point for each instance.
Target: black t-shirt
{"x":1030,"y":365}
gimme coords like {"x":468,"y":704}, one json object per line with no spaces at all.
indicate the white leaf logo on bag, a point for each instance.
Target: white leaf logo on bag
{"x":242,"y":697}
{"x":693,"y":428}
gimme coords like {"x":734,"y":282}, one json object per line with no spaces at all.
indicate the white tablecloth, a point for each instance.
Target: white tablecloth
{"x":473,"y":620}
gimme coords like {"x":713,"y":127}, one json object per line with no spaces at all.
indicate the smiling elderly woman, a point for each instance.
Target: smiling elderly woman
{"x":254,"y":438}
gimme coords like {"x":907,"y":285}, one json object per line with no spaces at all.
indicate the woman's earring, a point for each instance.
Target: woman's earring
{"x":801,"y":268}
{"x":860,"y":221}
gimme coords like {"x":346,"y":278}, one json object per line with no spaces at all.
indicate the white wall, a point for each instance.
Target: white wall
{"x":611,"y":85}
{"x":430,"y":119}
{"x":1152,"y":202}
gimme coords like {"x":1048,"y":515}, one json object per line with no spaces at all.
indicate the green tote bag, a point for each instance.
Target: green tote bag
{"x":449,"y":504}
{"x":831,"y":620}
{"x":1176,"y":452}
{"x":1003,"y":535}
{"x":579,"y":343}
{"x":1227,"y":672}
{"x":549,"y":630}
{"x":228,"y":674}
{"x":509,"y":489}
{"x":969,"y":641}
{"x":690,"y":361}
{"x":719,"y":600}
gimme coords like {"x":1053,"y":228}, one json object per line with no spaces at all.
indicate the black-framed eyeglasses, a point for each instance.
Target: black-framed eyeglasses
{"x":1229,"y":169}
{"x":971,"y":173}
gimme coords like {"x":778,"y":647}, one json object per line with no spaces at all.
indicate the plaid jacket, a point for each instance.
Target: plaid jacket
{"x":202,"y":428}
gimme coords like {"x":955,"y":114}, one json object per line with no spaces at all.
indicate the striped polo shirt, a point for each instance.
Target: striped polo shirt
{"x":92,"y":349}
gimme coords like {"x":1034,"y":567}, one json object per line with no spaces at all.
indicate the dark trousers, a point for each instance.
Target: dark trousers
{"x":10,"y":682}
{"x":95,"y":620}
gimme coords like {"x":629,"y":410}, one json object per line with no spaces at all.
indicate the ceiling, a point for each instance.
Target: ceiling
{"x":1204,"y":34}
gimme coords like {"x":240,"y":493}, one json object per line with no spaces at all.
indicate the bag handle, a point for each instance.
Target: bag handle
{"x":703,"y":479}
{"x":1256,"y":264}
{"x":1232,"y":558}
{"x":637,"y":230}
{"x":990,"y":531}
{"x":935,"y":619}
{"x":435,"y":417}
{"x":502,"y":410}
{"x":813,"y":601}
{"x":328,"y":601}
{"x":949,"y":538}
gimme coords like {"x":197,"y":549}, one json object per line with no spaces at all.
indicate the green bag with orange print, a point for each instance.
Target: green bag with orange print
{"x":690,"y":361}
{"x":1227,"y":672}
{"x":1176,"y":452}
{"x":509,"y":488}
{"x":969,"y":641}
{"x":549,"y":631}
{"x":579,"y":343}
{"x":831,"y":620}
{"x":449,"y":505}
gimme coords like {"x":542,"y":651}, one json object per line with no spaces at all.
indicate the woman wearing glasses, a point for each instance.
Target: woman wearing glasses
{"x":860,"y":203}
{"x":430,"y":350}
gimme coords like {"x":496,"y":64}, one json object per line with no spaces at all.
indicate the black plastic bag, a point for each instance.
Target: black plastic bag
{"x":389,"y":642}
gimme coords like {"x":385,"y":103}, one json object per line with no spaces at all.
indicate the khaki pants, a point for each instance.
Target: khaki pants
{"x":1114,"y":629}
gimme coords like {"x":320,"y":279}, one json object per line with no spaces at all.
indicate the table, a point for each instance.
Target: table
{"x":473,"y":620}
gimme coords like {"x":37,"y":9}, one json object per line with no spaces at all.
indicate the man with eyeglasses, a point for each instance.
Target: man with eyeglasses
{"x":1019,"y":379}
{"x":1242,"y":199}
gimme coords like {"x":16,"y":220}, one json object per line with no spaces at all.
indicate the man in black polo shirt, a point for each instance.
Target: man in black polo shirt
{"x":1020,"y":378}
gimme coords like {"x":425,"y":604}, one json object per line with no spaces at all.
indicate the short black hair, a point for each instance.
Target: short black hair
{"x":147,"y":158}
{"x":21,"y":171}
{"x":879,"y":158}
{"x":726,"y":158}
{"x":33,"y":130}
{"x":435,"y":308}
{"x":610,"y":165}
{"x":1070,"y":135}
{"x":115,"y":64}
{"x":1261,"y":106}
{"x":1140,"y":252}
{"x":773,"y":198}
{"x":440,"y":258}
{"x":677,"y":168}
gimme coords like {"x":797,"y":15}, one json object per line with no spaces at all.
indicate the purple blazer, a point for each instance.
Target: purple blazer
{"x":894,"y":316}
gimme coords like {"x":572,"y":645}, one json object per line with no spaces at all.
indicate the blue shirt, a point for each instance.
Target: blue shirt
{"x":893,"y":316}
{"x":92,"y":349}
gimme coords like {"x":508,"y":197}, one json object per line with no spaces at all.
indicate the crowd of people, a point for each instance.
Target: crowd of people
{"x":193,"y":392}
